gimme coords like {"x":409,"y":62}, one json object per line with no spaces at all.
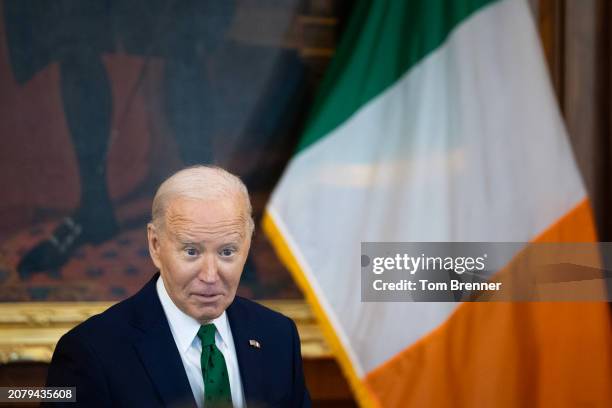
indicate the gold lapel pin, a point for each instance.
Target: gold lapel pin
{"x":254,"y":343}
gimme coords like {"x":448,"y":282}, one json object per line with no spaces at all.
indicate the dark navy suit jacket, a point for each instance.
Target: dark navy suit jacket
{"x":127,"y":356}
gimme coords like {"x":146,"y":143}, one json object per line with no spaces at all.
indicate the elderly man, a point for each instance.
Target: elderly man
{"x":186,"y":339}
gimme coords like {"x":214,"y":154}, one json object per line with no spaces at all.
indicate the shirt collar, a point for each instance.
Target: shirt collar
{"x":184,"y":327}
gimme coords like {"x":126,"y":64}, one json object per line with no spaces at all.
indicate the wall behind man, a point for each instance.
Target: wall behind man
{"x":576,"y":38}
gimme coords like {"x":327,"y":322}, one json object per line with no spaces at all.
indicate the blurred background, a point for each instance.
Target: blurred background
{"x":101,"y":100}
{"x":97,"y":110}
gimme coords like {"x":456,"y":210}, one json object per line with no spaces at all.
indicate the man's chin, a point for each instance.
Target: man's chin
{"x":207,"y":308}
{"x":207,"y":311}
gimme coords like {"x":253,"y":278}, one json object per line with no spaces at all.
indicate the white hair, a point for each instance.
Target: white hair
{"x":201,"y":183}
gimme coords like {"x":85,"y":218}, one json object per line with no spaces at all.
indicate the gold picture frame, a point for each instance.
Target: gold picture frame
{"x":29,"y":331}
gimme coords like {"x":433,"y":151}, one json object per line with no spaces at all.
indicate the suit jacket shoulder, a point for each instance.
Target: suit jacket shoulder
{"x":268,"y":350}
{"x":260,"y":314}
{"x":125,"y":356}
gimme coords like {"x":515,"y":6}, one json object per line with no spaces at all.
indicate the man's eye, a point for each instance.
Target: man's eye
{"x":191,"y":251}
{"x":227,"y":251}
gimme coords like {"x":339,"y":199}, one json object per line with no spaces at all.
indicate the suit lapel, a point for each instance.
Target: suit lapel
{"x":157,"y":350}
{"x":250,"y":360}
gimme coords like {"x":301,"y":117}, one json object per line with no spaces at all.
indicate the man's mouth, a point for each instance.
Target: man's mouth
{"x":207,"y":297}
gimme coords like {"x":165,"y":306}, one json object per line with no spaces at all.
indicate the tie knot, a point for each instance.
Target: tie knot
{"x":207,"y":334}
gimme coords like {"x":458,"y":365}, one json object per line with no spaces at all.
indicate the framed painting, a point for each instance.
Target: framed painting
{"x":99,"y":102}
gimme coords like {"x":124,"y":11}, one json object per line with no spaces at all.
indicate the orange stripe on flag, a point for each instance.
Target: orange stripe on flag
{"x":575,"y":226}
{"x":509,"y":354}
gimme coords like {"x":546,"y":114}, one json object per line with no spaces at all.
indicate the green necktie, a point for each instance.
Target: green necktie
{"x":214,"y":370}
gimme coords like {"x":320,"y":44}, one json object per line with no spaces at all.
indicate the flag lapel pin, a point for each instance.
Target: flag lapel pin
{"x":254,"y":343}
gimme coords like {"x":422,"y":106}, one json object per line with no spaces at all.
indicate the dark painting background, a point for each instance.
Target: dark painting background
{"x":100,"y":101}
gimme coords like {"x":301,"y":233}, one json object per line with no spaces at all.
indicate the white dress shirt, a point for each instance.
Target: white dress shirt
{"x":184,"y":330}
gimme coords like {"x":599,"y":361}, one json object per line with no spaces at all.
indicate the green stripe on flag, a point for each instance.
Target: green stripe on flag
{"x":383,"y":39}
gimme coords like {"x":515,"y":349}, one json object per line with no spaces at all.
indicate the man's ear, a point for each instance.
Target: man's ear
{"x":153,"y":238}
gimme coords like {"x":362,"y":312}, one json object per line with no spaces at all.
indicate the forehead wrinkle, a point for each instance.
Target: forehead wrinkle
{"x":196,"y":233}
{"x":188,"y":229}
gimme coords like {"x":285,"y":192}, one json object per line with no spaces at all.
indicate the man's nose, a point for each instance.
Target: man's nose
{"x":208,"y":270}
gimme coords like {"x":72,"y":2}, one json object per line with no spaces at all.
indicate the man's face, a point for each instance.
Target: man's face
{"x":200,"y":252}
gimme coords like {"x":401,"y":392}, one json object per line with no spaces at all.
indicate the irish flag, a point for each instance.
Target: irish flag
{"x":437,"y":122}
